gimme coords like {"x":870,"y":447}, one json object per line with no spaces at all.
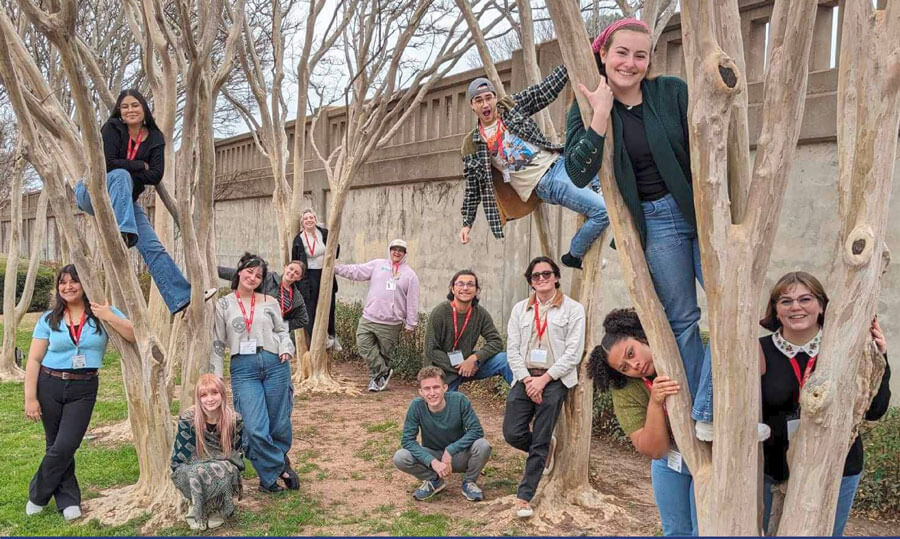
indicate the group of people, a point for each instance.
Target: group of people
{"x":508,"y":166}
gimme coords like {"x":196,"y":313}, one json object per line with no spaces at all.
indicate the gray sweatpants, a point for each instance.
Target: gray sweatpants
{"x":375,"y":342}
{"x":470,"y":461}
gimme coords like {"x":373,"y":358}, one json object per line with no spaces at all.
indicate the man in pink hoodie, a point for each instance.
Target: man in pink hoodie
{"x":392,"y":304}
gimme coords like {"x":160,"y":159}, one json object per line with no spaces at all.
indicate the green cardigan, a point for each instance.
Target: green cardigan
{"x":665,"y":102}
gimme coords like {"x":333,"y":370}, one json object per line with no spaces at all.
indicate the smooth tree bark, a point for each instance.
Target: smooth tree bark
{"x":375,"y":47}
{"x":142,"y":361}
{"x":14,"y":311}
{"x":868,"y":112}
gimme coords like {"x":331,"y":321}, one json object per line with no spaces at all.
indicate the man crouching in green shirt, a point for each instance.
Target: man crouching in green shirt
{"x":452,"y":439}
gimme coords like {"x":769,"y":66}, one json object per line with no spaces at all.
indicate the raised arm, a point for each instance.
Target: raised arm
{"x":534,"y":98}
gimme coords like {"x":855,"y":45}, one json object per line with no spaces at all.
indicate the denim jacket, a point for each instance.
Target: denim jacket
{"x":515,"y":111}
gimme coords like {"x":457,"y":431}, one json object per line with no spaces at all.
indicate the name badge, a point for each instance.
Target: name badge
{"x":79,"y":361}
{"x":391,"y":284}
{"x":792,"y":426}
{"x":673,"y":461}
{"x":456,"y":358}
{"x":539,"y":358}
{"x":248,"y":347}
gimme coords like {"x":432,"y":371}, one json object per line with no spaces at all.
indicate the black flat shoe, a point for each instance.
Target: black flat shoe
{"x":271,"y":489}
{"x":292,"y":481}
{"x":129,"y":239}
{"x":571,"y":261}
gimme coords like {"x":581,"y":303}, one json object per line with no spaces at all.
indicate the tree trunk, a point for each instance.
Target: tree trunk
{"x":9,"y":371}
{"x":868,"y":119}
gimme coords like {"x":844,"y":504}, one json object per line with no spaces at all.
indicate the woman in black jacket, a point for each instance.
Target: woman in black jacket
{"x":309,"y":248}
{"x":795,"y":313}
{"x":134,"y":148}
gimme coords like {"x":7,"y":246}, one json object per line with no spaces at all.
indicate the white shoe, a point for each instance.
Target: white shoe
{"x":763,"y":432}
{"x":525,"y":512}
{"x":337,"y":345}
{"x":32,"y":508}
{"x":215,"y":520}
{"x":704,"y":431}
{"x":194,"y":525}
{"x":329,"y":343}
{"x":71,"y":513}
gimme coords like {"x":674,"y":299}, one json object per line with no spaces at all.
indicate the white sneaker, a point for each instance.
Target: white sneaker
{"x":329,"y":343}
{"x":337,"y":345}
{"x":71,"y":513}
{"x":32,"y":508}
{"x":704,"y":431}
{"x":195,"y":525}
{"x":215,"y":520}
{"x":763,"y":432}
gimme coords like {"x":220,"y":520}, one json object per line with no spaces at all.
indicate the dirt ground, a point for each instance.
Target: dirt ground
{"x":344,"y":445}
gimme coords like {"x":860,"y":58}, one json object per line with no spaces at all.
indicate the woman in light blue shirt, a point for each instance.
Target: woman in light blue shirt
{"x":61,"y":383}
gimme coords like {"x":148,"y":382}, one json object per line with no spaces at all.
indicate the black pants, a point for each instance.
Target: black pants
{"x":519,"y":411}
{"x":315,"y":278}
{"x":66,"y":407}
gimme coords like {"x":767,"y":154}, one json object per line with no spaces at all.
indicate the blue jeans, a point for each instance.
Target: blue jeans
{"x":674,"y":494}
{"x":556,"y":188}
{"x":264,"y":397}
{"x":495,"y":365}
{"x":673,"y":256}
{"x":173,"y":287}
{"x":846,"y":494}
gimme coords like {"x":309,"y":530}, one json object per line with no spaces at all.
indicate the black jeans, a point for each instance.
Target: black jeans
{"x":314,"y":276}
{"x":66,"y":407}
{"x":519,"y":411}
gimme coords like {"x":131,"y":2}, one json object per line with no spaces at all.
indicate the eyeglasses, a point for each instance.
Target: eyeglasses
{"x":482,"y":99}
{"x":805,"y":300}
{"x":541,"y":275}
{"x":460,"y":284}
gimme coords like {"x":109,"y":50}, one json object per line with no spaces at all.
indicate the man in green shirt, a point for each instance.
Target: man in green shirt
{"x":452,"y":439}
{"x":453,"y":330}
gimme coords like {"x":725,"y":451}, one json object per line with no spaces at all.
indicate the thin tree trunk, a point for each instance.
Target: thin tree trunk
{"x":8,"y":368}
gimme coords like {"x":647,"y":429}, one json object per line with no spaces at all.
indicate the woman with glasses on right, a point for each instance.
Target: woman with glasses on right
{"x":795,"y":314}
{"x":544,"y":344}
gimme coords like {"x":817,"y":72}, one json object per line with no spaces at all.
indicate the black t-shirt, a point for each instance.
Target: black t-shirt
{"x":650,"y":184}
{"x":780,"y":391}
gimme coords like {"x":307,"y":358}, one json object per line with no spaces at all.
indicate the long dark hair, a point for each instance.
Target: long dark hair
{"x":537,"y":260}
{"x":619,"y":324}
{"x":149,"y":122}
{"x":458,"y":274}
{"x":250,"y":261}
{"x":770,"y":320}
{"x":59,"y":304}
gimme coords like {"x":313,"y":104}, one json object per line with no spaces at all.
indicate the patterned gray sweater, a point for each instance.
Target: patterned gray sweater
{"x":268,"y":329}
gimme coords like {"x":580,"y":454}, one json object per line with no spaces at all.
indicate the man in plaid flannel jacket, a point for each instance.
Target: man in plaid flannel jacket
{"x":506,"y":138}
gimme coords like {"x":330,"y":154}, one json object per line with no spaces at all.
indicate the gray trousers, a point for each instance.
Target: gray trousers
{"x":470,"y":461}
{"x":375,"y":342}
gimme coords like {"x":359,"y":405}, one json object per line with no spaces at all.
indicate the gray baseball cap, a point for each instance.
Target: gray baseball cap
{"x":478,"y":86}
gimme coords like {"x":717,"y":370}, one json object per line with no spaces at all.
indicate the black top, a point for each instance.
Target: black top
{"x":780,"y":391}
{"x":151,"y":151}
{"x":650,"y":184}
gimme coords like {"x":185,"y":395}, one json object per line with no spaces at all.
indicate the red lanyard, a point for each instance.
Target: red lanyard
{"x":801,"y":380}
{"x":312,"y":247}
{"x":396,"y":268}
{"x":495,"y":143}
{"x":456,"y":333}
{"x":247,"y":321}
{"x":76,"y":334}
{"x":649,"y":384}
{"x":132,"y":152}
{"x":284,"y":308}
{"x":537,"y":320}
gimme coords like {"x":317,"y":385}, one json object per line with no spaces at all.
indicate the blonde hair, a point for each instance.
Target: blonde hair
{"x":227,"y":417}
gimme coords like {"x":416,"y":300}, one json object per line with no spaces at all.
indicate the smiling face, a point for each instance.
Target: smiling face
{"x":543,"y":280}
{"x":397,"y":254}
{"x":627,"y":59}
{"x":464,"y":288}
{"x":432,"y":390}
{"x":292,"y":273}
{"x":69,"y":289}
{"x":210,"y":399}
{"x":798,"y":309}
{"x":484,"y":105}
{"x":632,"y":358}
{"x":309,"y":221}
{"x":132,"y":111}
{"x":249,"y":278}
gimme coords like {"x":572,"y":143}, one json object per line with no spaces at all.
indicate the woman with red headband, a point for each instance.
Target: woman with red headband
{"x":652,"y":166}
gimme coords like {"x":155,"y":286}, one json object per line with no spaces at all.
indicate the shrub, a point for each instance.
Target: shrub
{"x":879,"y":488}
{"x":43,"y":284}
